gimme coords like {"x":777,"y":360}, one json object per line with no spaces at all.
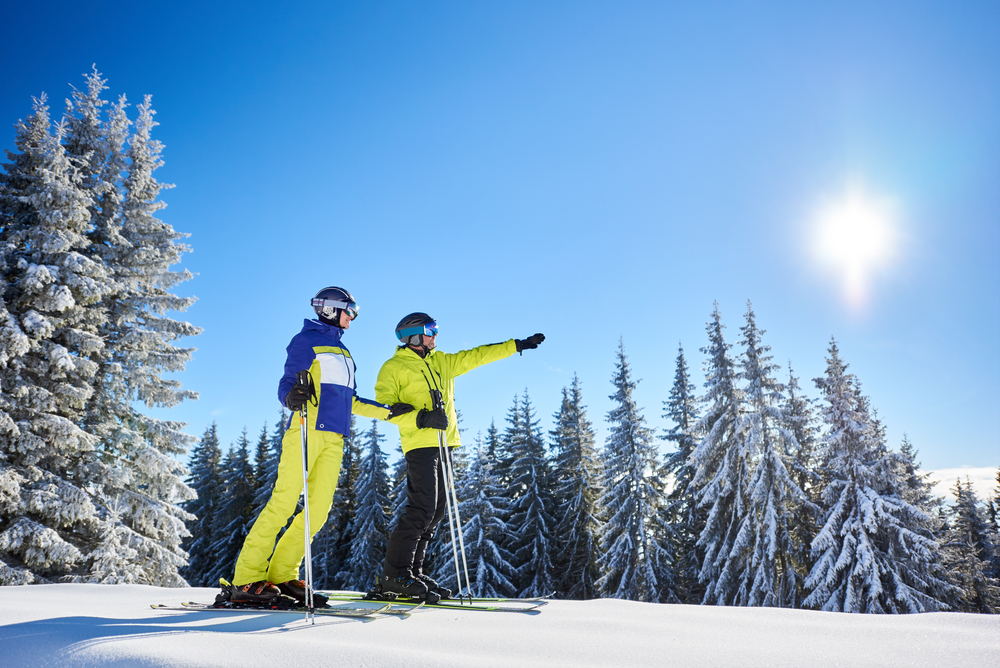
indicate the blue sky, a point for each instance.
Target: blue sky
{"x":590,"y":170}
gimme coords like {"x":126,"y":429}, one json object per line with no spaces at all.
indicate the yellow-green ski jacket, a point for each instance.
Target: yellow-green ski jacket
{"x":407,"y":378}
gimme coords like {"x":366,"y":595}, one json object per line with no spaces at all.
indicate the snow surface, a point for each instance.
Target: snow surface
{"x":113,"y":625}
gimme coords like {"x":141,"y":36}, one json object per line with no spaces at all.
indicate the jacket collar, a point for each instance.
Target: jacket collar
{"x":410,"y":352}
{"x":322,"y":328}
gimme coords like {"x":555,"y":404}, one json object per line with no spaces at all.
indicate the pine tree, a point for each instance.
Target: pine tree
{"x":138,"y":249}
{"x":398,"y":494}
{"x":916,"y":488}
{"x":800,"y":420}
{"x":52,"y":520}
{"x":968,"y":546}
{"x":480,"y":505}
{"x":494,"y":442}
{"x":870,"y":558}
{"x":331,"y":547}
{"x":993,"y":516}
{"x":139,"y":350}
{"x":113,"y":561}
{"x":206,"y":481}
{"x":369,"y":526}
{"x":764,"y":561}
{"x":683,"y":513}
{"x":722,"y":468}
{"x":266,"y":471}
{"x":635,"y":563}
{"x":531,"y":503}
{"x":234,"y":517}
{"x":99,"y":146}
{"x":577,"y":489}
{"x":262,"y":458}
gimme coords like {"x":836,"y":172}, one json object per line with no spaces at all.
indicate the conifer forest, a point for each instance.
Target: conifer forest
{"x":773,"y":490}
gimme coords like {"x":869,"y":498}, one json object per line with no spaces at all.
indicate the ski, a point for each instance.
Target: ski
{"x":452,"y":604}
{"x":388,"y":608}
{"x":348,"y":593}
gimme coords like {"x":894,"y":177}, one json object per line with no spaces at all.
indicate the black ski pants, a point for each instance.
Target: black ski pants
{"x":426,"y":505}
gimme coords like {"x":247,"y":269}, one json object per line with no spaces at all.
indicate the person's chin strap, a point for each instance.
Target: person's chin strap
{"x":421,"y":349}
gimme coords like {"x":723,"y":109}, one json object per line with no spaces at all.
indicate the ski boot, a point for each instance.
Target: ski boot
{"x":260,"y":594}
{"x":297,"y":590}
{"x":433,"y":586}
{"x":388,"y":588}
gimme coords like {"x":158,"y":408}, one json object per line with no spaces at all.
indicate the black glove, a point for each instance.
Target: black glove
{"x":398,"y":409}
{"x":529,"y":343}
{"x":436,"y":419}
{"x":302,"y":391}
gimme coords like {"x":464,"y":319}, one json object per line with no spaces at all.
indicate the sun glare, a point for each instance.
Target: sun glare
{"x":855,"y":237}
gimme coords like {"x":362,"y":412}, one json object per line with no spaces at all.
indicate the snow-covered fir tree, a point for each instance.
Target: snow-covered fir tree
{"x":235,"y":514}
{"x":577,"y":490}
{"x":801,"y":420}
{"x":139,"y":343}
{"x":683,"y":513}
{"x":482,"y":505}
{"x":494,"y":442}
{"x":529,"y":491}
{"x":635,"y":563}
{"x":205,"y":479}
{"x":52,"y":290}
{"x":266,"y":459}
{"x":917,"y":489}
{"x":398,"y":494}
{"x":968,"y":546}
{"x":65,"y":202}
{"x":98,"y":143}
{"x":369,"y":526}
{"x":722,"y":468}
{"x":113,"y":560}
{"x":870,"y":555}
{"x":331,"y":547}
{"x":762,"y":556}
{"x":993,"y":517}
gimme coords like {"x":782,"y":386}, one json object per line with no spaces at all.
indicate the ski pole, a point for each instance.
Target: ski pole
{"x":450,"y":477}
{"x":451,"y":500}
{"x":443,"y":455}
{"x":303,"y":378}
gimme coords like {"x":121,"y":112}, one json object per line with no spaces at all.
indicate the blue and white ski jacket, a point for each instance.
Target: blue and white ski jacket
{"x":318,"y":348}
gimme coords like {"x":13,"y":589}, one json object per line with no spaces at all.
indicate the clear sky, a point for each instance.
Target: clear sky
{"x":590,"y":170}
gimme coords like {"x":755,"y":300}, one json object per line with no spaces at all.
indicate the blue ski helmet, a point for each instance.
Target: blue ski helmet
{"x":415,"y":325}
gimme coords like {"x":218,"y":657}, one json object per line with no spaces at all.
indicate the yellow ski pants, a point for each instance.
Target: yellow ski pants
{"x":325,"y":451}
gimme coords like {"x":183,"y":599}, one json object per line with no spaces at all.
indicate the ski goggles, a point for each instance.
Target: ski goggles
{"x":351,"y":308}
{"x":427,"y":329}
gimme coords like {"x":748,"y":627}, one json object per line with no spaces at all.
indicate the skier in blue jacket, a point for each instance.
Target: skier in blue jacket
{"x":263,"y":570}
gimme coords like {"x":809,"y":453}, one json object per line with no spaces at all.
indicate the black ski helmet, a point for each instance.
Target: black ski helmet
{"x":414,"y":325}
{"x":329,"y":302}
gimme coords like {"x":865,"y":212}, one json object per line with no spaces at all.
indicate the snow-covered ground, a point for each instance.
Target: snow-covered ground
{"x":107,"y":625}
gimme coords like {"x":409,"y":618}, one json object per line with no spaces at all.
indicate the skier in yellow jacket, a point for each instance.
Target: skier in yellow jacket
{"x":412,"y":376}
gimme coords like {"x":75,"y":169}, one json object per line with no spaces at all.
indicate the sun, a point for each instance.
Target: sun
{"x":855,"y":238}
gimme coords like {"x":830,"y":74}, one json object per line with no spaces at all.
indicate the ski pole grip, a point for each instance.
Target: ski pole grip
{"x":437,"y":399}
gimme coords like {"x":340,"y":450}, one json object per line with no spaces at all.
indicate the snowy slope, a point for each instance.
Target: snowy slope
{"x":102,"y":625}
